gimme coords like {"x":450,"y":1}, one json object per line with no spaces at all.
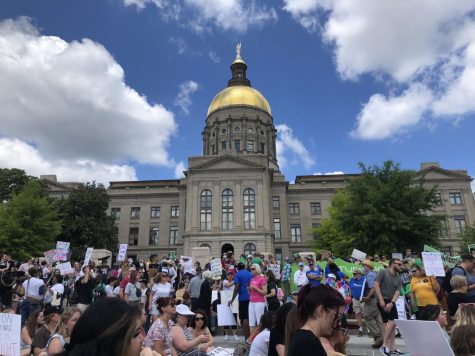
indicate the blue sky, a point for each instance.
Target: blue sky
{"x":119,"y":89}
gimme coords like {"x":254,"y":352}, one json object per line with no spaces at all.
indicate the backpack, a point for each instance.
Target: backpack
{"x":448,"y":275}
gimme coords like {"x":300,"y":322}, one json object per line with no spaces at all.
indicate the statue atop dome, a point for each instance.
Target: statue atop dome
{"x":238,"y":53}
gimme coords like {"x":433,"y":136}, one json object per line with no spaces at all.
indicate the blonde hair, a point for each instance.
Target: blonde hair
{"x":465,"y":315}
{"x":65,"y":316}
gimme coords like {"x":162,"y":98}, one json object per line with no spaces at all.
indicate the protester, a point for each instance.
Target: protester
{"x":463,"y":340}
{"x":292,"y":324}
{"x":182,"y":337}
{"x":260,"y":342}
{"x":320,"y":311}
{"x":335,"y":344}
{"x":84,"y":287}
{"x":199,"y":326}
{"x":285,"y":277}
{"x":241,"y":282}
{"x":300,"y":278}
{"x":424,"y":289}
{"x":182,"y":295}
{"x":52,"y":317}
{"x":58,"y":341}
{"x":387,"y":285}
{"x":465,"y":315}
{"x":271,"y":297}
{"x":34,"y":290}
{"x":194,"y":289}
{"x":458,"y":294}
{"x":371,"y":313}
{"x":160,"y":289}
{"x":132,"y":292}
{"x":111,"y":281}
{"x":357,"y":284}
{"x":228,"y":289}
{"x":257,"y":292}
{"x":314,"y":275}
{"x":34,"y":322}
{"x":277,"y":334}
{"x":159,"y":336}
{"x":465,"y":269}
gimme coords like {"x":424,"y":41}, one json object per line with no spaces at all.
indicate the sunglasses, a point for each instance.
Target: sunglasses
{"x":253,"y":269}
{"x":199,"y":319}
{"x":414,"y":271}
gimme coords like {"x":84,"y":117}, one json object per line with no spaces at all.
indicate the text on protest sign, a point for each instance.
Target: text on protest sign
{"x":359,"y":255}
{"x":397,"y":255}
{"x":275,"y":269}
{"x":433,"y":264}
{"x":49,"y":256}
{"x":61,"y":245}
{"x":65,"y":268}
{"x":87,"y":258}
{"x":216,"y":266}
{"x":10,"y":330}
{"x":401,"y":308}
{"x":122,"y":252}
{"x":60,"y":255}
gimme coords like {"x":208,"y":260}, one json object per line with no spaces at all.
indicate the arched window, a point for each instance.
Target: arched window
{"x":249,"y":209}
{"x":228,"y":209}
{"x":249,"y":249}
{"x":205,"y":210}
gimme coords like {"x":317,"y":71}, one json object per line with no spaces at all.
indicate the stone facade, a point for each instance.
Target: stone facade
{"x":234,"y":196}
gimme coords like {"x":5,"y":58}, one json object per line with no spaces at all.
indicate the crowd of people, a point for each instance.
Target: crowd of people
{"x":169,"y":306}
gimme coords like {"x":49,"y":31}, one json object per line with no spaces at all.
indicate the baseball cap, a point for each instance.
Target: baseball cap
{"x":182,"y":309}
{"x":331,"y":275}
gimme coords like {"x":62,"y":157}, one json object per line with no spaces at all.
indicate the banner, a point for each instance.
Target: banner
{"x":216,"y":267}
{"x":10,"y":330}
{"x":122,"y":252}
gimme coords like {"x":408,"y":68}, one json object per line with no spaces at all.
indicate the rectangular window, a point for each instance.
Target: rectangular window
{"x":224,"y":145}
{"x":155,"y":212}
{"x":438,"y":198}
{"x":314,"y":226}
{"x":249,"y":218}
{"x":250,"y":146}
{"x":277,"y":228}
{"x":278,"y":254}
{"x":315,"y":208}
{"x":294,"y":208}
{"x":455,"y":198}
{"x":275,"y":202}
{"x":445,"y":229}
{"x":135,"y":213}
{"x":263,"y":147}
{"x":173,"y":234}
{"x":153,"y":238}
{"x":134,"y":236}
{"x":115,"y":213}
{"x":459,"y":222}
{"x":295,"y":233}
{"x":175,"y":211}
{"x":237,"y":145}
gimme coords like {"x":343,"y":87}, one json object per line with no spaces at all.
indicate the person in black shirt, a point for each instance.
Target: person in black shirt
{"x":320,"y":309}
{"x":272,"y":301}
{"x":458,"y":295}
{"x":84,"y":285}
{"x":277,"y":334}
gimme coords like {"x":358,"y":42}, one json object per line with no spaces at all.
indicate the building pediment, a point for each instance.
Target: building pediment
{"x":437,"y":173}
{"x":55,"y":186}
{"x":227,"y":162}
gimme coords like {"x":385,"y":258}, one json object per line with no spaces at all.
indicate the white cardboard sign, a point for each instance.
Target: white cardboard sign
{"x":122,"y":252}
{"x":87,"y":258}
{"x":424,"y":338}
{"x":60,"y":255}
{"x":10,"y":330}
{"x":401,"y":308}
{"x":62,"y":245}
{"x":65,"y":268}
{"x":275,"y":269}
{"x":359,"y":255}
{"x":433,"y":264}
{"x":216,"y":266}
{"x":225,"y":315}
{"x":397,"y":255}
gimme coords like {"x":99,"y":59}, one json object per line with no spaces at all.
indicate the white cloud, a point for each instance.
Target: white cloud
{"x":183,"y":99}
{"x":290,"y":150}
{"x":328,"y":173}
{"x":202,"y":15}
{"x":214,"y":57}
{"x":15,"y":153}
{"x":70,"y":102}
{"x":383,"y":117}
{"x":422,"y":43}
{"x":180,"y":167}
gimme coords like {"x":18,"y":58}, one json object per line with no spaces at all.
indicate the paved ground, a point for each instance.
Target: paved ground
{"x":357,"y":346}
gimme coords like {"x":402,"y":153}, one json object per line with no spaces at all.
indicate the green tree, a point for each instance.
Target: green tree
{"x":468,"y":238}
{"x":386,"y":209}
{"x":85,"y":222}
{"x":12,"y":182}
{"x":28,"y":222}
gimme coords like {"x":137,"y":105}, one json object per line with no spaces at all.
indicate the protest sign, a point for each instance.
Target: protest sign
{"x":225,"y":315}
{"x":60,"y":255}
{"x":10,"y":327}
{"x":450,"y":261}
{"x":397,"y":255}
{"x":220,"y":351}
{"x":275,"y":268}
{"x":122,"y":252}
{"x":61,"y":245}
{"x":433,"y":264}
{"x":49,"y":256}
{"x":359,"y":255}
{"x":401,"y":308}
{"x":87,"y":258}
{"x":65,"y":268}
{"x":216,"y":266}
{"x":187,"y":263}
{"x":424,"y":338}
{"x":226,"y":296}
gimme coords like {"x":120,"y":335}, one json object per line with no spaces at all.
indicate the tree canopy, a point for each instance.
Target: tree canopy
{"x":85,"y":222}
{"x":386,"y":209}
{"x":468,"y":238}
{"x":28,"y":222}
{"x":12,"y":182}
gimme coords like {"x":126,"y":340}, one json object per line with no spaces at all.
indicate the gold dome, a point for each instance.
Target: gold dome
{"x":239,"y":95}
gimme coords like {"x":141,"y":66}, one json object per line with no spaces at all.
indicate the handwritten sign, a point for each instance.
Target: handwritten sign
{"x":216,"y":267}
{"x":65,"y":268}
{"x":61,"y":245}
{"x":359,"y":255}
{"x":10,"y":330}
{"x":401,"y":308}
{"x":433,"y":264}
{"x":49,"y":256}
{"x":122,"y":252}
{"x":60,"y":255}
{"x":397,"y":255}
{"x":87,"y":258}
{"x":275,"y":268}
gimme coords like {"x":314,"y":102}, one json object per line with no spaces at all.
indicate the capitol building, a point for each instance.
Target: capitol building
{"x":234,"y":196}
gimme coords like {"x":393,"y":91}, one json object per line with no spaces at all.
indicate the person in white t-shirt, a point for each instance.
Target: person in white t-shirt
{"x":110,"y":286}
{"x":161,"y":288}
{"x":33,"y":287}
